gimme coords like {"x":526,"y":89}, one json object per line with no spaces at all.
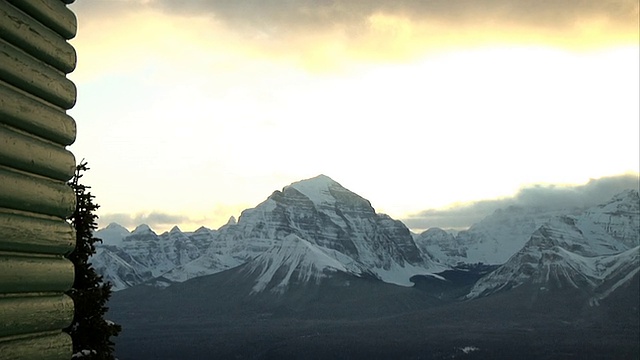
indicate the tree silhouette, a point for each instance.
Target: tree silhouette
{"x":90,"y":331}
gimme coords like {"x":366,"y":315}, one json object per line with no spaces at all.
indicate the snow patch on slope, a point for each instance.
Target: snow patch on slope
{"x":112,"y":234}
{"x":596,"y":250}
{"x":206,"y":264}
{"x":294,"y":259}
{"x":400,"y":274}
{"x":316,"y":189}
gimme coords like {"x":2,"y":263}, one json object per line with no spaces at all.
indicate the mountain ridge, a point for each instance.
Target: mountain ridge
{"x":318,"y":211}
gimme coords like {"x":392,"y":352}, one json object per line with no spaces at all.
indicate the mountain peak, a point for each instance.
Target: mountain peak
{"x":316,"y":181}
{"x":142,"y":229}
{"x":116,"y":226}
{"x":317,"y":189}
{"x":112,"y":234}
{"x":175,"y":229}
{"x":321,"y":178}
{"x":202,"y":229}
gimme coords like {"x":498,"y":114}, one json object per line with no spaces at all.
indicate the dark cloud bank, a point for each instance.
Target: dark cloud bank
{"x":323,"y":13}
{"x":550,"y":197}
{"x":285,"y":16}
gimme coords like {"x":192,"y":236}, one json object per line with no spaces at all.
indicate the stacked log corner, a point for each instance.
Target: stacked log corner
{"x":35,"y":94}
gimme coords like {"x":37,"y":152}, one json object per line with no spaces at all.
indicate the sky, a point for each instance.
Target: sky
{"x":191,"y":111}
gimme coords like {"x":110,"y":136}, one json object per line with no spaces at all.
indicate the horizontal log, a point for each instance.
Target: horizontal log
{"x":23,"y":274}
{"x":42,"y":346}
{"x":54,"y":14}
{"x":26,"y":112}
{"x":35,"y":77}
{"x":31,"y":154}
{"x":28,"y":234}
{"x":25,"y":192}
{"x":36,"y":39}
{"x":25,"y":315}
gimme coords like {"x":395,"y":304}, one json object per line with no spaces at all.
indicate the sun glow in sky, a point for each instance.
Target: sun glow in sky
{"x":189,"y":114}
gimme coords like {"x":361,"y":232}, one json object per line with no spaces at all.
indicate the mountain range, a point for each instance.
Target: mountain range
{"x":318,"y":255}
{"x":338,"y":226}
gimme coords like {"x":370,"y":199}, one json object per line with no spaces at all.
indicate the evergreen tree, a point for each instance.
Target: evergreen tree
{"x":90,"y":331}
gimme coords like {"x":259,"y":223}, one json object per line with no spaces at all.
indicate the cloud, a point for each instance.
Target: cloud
{"x":550,"y":197}
{"x":326,"y":34}
{"x":160,"y":221}
{"x":313,"y":14}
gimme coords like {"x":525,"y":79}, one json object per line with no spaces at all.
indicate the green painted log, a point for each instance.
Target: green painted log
{"x":24,"y":315}
{"x":53,"y":14}
{"x":35,"y":77}
{"x":28,"y":234}
{"x":36,"y":39}
{"x":20,"y":274}
{"x":31,"y":154}
{"x":23,"y":111}
{"x":48,"y":346}
{"x":34,"y":167}
{"x":25,"y":192}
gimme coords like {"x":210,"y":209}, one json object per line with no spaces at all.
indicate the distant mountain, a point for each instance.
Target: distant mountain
{"x":491,"y":241}
{"x":318,"y":211}
{"x":595,"y":252}
{"x":118,"y":268}
{"x":326,"y":215}
{"x":306,"y":282}
{"x":126,"y":259}
{"x":112,"y":235}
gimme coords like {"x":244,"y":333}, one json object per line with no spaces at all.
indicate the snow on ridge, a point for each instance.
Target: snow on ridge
{"x":600,"y":267}
{"x":316,"y":189}
{"x":631,"y":195}
{"x":142,"y":229}
{"x":112,"y":235}
{"x":298,"y":256}
{"x":206,"y":264}
{"x":115,"y":226}
{"x":560,"y":249}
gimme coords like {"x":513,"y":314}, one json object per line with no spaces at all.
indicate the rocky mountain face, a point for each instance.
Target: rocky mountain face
{"x":492,"y":241}
{"x":333,"y":220}
{"x":595,"y":252}
{"x":314,"y":228}
{"x":126,"y":259}
{"x":337,"y":225}
{"x":303,"y":270}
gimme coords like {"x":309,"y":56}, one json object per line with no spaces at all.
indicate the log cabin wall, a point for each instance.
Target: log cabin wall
{"x":35,"y":58}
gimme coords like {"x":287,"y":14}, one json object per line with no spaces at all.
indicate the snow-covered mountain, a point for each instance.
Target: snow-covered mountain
{"x":308,"y":263}
{"x":315,"y":227}
{"x":116,"y":267}
{"x":126,"y":259}
{"x":596,"y":251}
{"x":318,"y":212}
{"x":112,"y":235}
{"x":330,"y":219}
{"x":491,"y":241}
{"x":295,"y":260}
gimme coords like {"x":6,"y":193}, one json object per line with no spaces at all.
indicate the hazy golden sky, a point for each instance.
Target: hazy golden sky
{"x":191,"y":111}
